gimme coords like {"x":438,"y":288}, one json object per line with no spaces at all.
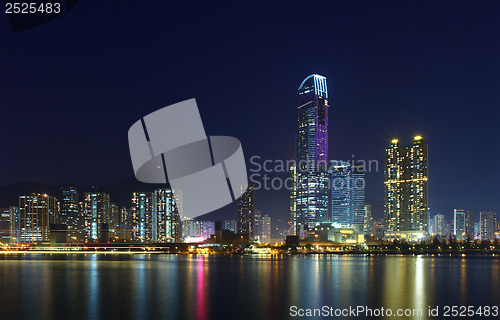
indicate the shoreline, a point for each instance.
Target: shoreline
{"x":368,"y":254}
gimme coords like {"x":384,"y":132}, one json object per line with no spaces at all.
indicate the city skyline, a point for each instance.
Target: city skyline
{"x":250,"y":159}
{"x":325,"y":200}
{"x":428,"y":79}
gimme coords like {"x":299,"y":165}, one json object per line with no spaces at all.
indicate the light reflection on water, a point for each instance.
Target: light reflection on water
{"x":59,"y":286}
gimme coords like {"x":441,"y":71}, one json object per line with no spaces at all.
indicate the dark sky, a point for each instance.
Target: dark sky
{"x":71,"y":88}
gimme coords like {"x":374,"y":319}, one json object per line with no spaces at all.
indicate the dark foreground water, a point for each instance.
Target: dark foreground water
{"x":59,"y":286}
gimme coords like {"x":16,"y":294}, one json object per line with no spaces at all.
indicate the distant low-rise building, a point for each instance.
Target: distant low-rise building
{"x":340,"y":234}
{"x":408,"y":236}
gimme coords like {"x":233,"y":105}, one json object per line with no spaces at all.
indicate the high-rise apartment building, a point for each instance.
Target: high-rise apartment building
{"x":358,"y":197}
{"x":311,"y":193}
{"x":6,"y":225}
{"x":469,"y":225}
{"x":266,"y":229}
{"x":197,"y":231}
{"x":256,"y":226}
{"x":166,"y":225}
{"x":70,"y":214}
{"x":459,"y":224}
{"x":406,"y":186}
{"x":292,"y":222}
{"x":439,"y":225}
{"x":368,"y":225}
{"x":114,"y":215}
{"x":96,"y":214}
{"x":487,"y":221}
{"x":36,"y":213}
{"x":141,"y":214}
{"x":246,"y":210}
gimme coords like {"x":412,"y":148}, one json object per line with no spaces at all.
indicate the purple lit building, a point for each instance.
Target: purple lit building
{"x":311,"y":194}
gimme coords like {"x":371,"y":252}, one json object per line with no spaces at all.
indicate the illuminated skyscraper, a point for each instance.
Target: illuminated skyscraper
{"x":469,"y":225}
{"x":141,"y":212}
{"x":246,"y":210}
{"x":36,"y":213}
{"x":439,"y":225}
{"x":358,"y":197}
{"x":368,"y":226}
{"x":459,"y":224}
{"x":266,"y":229}
{"x":166,"y":226}
{"x":406,"y":183}
{"x":96,"y":213}
{"x":341,"y":193}
{"x":292,"y":222}
{"x":5,"y":225}
{"x":312,"y":153}
{"x":256,"y":226}
{"x":70,"y":214}
{"x":9,"y":225}
{"x":347,"y":195}
{"x":487,"y":221}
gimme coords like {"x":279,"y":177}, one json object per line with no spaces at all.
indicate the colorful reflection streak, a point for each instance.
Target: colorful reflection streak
{"x":65,"y":286}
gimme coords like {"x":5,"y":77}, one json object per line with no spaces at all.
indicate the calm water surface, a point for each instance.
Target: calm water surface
{"x":77,"y":286}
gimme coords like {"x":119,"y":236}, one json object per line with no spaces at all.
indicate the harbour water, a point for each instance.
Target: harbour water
{"x":158,"y":286}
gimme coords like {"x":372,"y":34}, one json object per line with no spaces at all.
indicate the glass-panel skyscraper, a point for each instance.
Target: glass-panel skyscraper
{"x":347,"y":195}
{"x":459,"y":224}
{"x":312,"y":153}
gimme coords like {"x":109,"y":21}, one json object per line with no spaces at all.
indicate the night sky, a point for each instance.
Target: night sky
{"x":71,"y":88}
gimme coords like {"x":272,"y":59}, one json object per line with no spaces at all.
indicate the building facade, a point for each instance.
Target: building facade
{"x":36,"y":213}
{"x":96,"y":214}
{"x":439,"y":225}
{"x":70,"y":214}
{"x":6,"y":225}
{"x":488,"y":222}
{"x":246,"y":211}
{"x":406,"y":186}
{"x":292,"y":222}
{"x":141,"y":214}
{"x":347,"y":194}
{"x":266,"y":229}
{"x":459,"y":224}
{"x":358,"y":197}
{"x":368,"y":225}
{"x":311,"y":198}
{"x":166,"y":225}
{"x":229,"y":225}
{"x":469,"y":226}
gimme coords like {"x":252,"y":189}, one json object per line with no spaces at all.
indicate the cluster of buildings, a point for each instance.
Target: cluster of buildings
{"x":251,"y":221}
{"x":152,"y":217}
{"x":327,"y":201}
{"x":465,"y":226}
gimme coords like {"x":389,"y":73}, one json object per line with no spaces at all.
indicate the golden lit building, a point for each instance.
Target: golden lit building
{"x":406,"y":186}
